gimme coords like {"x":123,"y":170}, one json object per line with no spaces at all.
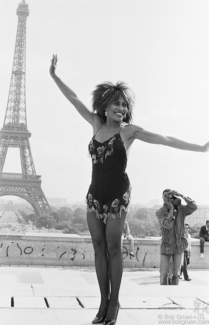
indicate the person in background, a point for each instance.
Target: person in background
{"x":171,"y":218}
{"x":204,"y":236}
{"x":127,"y":235}
{"x":186,"y":255}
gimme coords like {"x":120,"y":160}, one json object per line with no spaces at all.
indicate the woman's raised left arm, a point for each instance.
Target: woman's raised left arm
{"x":154,"y":138}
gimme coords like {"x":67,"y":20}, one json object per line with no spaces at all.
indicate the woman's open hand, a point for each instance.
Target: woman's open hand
{"x":53,"y":65}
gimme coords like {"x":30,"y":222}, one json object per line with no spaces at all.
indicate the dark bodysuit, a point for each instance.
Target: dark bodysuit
{"x":109,"y":192}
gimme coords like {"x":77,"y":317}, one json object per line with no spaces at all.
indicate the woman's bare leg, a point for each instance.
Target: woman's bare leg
{"x":97,"y":230}
{"x":114,"y":229}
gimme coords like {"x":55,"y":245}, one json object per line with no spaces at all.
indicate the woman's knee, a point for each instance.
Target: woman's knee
{"x":100,"y":246}
{"x":114,"y":247}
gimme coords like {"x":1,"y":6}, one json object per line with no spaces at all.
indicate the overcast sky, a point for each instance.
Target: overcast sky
{"x":159,"y":47}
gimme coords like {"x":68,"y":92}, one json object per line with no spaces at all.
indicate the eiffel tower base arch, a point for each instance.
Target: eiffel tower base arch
{"x":28,"y":189}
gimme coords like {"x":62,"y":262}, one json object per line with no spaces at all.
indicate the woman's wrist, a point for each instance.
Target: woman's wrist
{"x":54,"y":76}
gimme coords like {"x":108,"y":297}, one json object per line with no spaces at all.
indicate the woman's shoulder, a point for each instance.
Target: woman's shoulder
{"x":131,"y":127}
{"x":129,"y":130}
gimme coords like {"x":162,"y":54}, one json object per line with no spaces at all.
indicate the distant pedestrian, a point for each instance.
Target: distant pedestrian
{"x":186,"y":255}
{"x":127,"y":235}
{"x":204,"y":236}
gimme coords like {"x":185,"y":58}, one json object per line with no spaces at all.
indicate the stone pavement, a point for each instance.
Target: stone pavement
{"x":70,"y":296}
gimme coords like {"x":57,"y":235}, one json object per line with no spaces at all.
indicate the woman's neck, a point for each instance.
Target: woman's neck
{"x":112,"y":125}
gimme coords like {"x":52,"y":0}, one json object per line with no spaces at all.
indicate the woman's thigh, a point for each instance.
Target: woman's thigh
{"x":97,"y":229}
{"x":114,"y":229}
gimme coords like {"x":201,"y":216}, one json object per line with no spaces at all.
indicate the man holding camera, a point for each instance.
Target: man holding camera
{"x":204,"y":236}
{"x":171,"y":218}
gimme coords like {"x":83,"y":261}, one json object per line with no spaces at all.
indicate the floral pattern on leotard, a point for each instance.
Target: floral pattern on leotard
{"x":102,"y":152}
{"x":109,"y":192}
{"x":102,"y":212}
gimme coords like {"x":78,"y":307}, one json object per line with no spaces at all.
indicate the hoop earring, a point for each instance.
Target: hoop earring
{"x":106,"y":113}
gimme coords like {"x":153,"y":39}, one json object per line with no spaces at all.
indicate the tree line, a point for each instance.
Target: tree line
{"x":69,"y":221}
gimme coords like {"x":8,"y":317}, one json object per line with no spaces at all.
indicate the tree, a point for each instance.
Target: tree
{"x":64,"y":214}
{"x":70,"y":230}
{"x":152,"y":232}
{"x":62,"y":225}
{"x":194,"y":231}
{"x":28,"y":217}
{"x":136,"y":227}
{"x":79,"y":219}
{"x":46,"y":221}
{"x":141,"y":214}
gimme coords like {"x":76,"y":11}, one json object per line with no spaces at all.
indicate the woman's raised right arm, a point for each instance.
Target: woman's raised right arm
{"x":70,"y":95}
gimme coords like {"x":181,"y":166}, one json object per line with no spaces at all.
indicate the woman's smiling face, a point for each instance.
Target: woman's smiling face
{"x":117,"y":109}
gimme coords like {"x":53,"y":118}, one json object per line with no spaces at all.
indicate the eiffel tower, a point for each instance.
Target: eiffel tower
{"x":15,"y":134}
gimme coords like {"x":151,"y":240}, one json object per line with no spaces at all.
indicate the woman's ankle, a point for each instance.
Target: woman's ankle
{"x":103,"y":308}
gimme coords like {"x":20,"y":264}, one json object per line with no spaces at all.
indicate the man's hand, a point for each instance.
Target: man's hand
{"x":177,"y":194}
{"x":169,"y":204}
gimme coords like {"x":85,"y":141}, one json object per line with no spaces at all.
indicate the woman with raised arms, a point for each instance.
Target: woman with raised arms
{"x":108,"y":196}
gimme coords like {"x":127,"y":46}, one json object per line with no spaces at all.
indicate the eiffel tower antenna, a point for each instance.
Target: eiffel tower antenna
{"x":15,"y":134}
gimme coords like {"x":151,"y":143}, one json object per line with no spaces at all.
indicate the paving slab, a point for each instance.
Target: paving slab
{"x":28,"y":317}
{"x":75,"y":317}
{"x":132,"y":302}
{"x":90,"y":277}
{"x":157,"y":317}
{"x":85,"y":317}
{"x":90,"y":302}
{"x":63,"y":302}
{"x":29,"y":277}
{"x":29,"y":302}
{"x":65,"y":291}
{"x":9,"y":290}
{"x":5,"y":302}
{"x":189,"y":302}
{"x":143,"y":300}
{"x":204,"y":299}
{"x":164,"y":291}
{"x":8,"y":278}
{"x":63,"y":277}
{"x":146,"y":302}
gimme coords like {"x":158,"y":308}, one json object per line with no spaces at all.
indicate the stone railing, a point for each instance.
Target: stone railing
{"x":73,"y":250}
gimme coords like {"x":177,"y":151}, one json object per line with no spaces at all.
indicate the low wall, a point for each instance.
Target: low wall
{"x":74,"y":250}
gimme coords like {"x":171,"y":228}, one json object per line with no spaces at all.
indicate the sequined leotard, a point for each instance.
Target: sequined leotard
{"x":109,"y":192}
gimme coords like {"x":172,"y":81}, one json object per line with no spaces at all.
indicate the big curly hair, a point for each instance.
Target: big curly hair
{"x":106,"y":93}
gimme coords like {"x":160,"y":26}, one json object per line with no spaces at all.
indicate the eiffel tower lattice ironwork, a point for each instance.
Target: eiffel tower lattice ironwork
{"x":15,"y":134}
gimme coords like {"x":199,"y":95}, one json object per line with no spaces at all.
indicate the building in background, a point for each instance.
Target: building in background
{"x":57,"y":201}
{"x":199,"y":217}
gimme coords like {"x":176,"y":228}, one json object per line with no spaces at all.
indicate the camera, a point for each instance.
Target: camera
{"x":173,"y":199}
